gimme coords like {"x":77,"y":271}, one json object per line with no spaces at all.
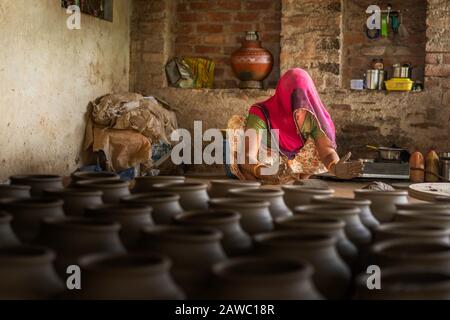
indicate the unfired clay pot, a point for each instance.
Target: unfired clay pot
{"x":365,"y":213}
{"x":255,"y":214}
{"x":28,"y":213}
{"x":220,"y":188}
{"x":76,"y":199}
{"x":396,"y":230}
{"x":193,"y":195}
{"x":235,"y":241}
{"x":131,"y":217}
{"x":411,"y":252}
{"x":406,"y":283}
{"x":80,"y":176}
{"x":425,"y":207}
{"x":354,"y":229}
{"x":434,"y":219}
{"x":331,"y":277}
{"x":14,"y":191}
{"x":145,"y":184}
{"x":127,"y":277}
{"x":309,"y":224}
{"x":298,"y":195}
{"x":38,"y":182}
{"x":72,"y":238}
{"x":165,"y":205}
{"x":113,"y":190}
{"x":264,"y":278}
{"x":193,"y":252}
{"x":383,"y":202}
{"x":277,"y":207}
{"x":27,"y":273}
{"x":7,"y":236}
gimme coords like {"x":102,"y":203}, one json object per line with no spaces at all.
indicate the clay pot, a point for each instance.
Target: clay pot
{"x":81,"y":176}
{"x":363,"y":205}
{"x":311,"y":225}
{"x":411,"y":252}
{"x":127,"y":277}
{"x":277,"y":207}
{"x":302,"y":195}
{"x":407,"y":283}
{"x":73,"y":238}
{"x":165,"y":205}
{"x":434,"y":219}
{"x":252,"y":63}
{"x":7,"y":236}
{"x":112,"y":190}
{"x":193,"y":195}
{"x":38,"y":182}
{"x":442,"y":199}
{"x":27,"y":273}
{"x":131,"y":217}
{"x":354,"y":229}
{"x":14,"y":191}
{"x":264,"y":278}
{"x":76,"y":199}
{"x":145,"y":184}
{"x":28,"y":213}
{"x":331,"y":275}
{"x":255,"y":214}
{"x":235,"y":241}
{"x":220,"y":188}
{"x":390,"y":231}
{"x":383,"y":202}
{"x":425,"y":207}
{"x":193,"y":252}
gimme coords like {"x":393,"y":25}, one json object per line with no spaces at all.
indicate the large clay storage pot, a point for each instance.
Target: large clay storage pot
{"x":193,"y":195}
{"x":14,"y":191}
{"x":131,"y":217}
{"x":251,"y":63}
{"x":145,"y":184}
{"x":235,"y":241}
{"x":80,"y":176}
{"x":406,"y":283}
{"x":113,"y":190}
{"x":38,"y":182}
{"x":27,"y":273}
{"x":28,"y":213}
{"x":383,"y":202}
{"x":127,"y":277}
{"x":331,"y":277}
{"x":165,"y":205}
{"x":220,"y":188}
{"x":431,"y":218}
{"x":277,"y":207}
{"x":7,"y":236}
{"x":411,"y":252}
{"x":365,"y":213}
{"x":396,"y":230}
{"x":73,"y":238}
{"x":255,"y":214}
{"x":354,"y":229}
{"x":299,"y":195}
{"x":76,"y":199}
{"x":309,"y":224}
{"x":264,"y":278}
{"x":440,"y":208}
{"x":193,"y":252}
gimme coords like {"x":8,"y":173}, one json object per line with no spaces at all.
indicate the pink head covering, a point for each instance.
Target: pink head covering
{"x":295,"y":90}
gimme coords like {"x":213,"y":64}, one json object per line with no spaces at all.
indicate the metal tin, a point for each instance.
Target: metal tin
{"x":372,"y":79}
{"x":445,"y":168}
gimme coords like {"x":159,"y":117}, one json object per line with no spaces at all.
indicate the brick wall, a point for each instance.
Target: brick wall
{"x":215,"y":28}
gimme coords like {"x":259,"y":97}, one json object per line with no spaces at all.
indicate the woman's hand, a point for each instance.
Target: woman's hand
{"x":347,"y":170}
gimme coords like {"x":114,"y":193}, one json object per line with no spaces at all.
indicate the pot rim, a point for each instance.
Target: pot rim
{"x":81,"y":224}
{"x":151,"y":178}
{"x":209,"y":217}
{"x":310,"y":222}
{"x":26,"y":254}
{"x":15,"y":186}
{"x":341,"y":201}
{"x":327,"y":209}
{"x":149,"y":263}
{"x":36,"y":178}
{"x":84,"y":175}
{"x":294,"y":268}
{"x":379,"y":249}
{"x":150,"y":197}
{"x":75,"y":192}
{"x":432,"y":216}
{"x":418,"y":229}
{"x":117,"y":209}
{"x":256,"y":192}
{"x":423,"y":206}
{"x":181,"y":186}
{"x":293,"y":239}
{"x":376,"y":193}
{"x":308,"y":190}
{"x":33,"y":202}
{"x":237,"y":183}
{"x":182,"y":234}
{"x":103,"y":184}
{"x":238,"y":202}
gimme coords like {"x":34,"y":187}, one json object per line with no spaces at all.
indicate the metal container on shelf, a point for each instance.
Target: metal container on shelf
{"x":444,"y":164}
{"x":400,"y":71}
{"x":375,"y":79}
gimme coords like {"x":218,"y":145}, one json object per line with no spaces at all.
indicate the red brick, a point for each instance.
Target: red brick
{"x":241,"y":27}
{"x":271,"y":26}
{"x":246,"y":16}
{"x":190,"y":17}
{"x":185,"y":28}
{"x":201,"y":6}
{"x":229,"y":4}
{"x":217,"y":39}
{"x":442,"y":70}
{"x":219,"y":17}
{"x":258,"y":5}
{"x":210,"y":28}
{"x":182,"y":7}
{"x":184,"y":50}
{"x":207,"y":49}
{"x":433,"y":58}
{"x":186,"y":39}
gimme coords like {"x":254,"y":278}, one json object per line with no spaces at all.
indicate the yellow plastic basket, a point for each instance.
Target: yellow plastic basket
{"x":399,"y":84}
